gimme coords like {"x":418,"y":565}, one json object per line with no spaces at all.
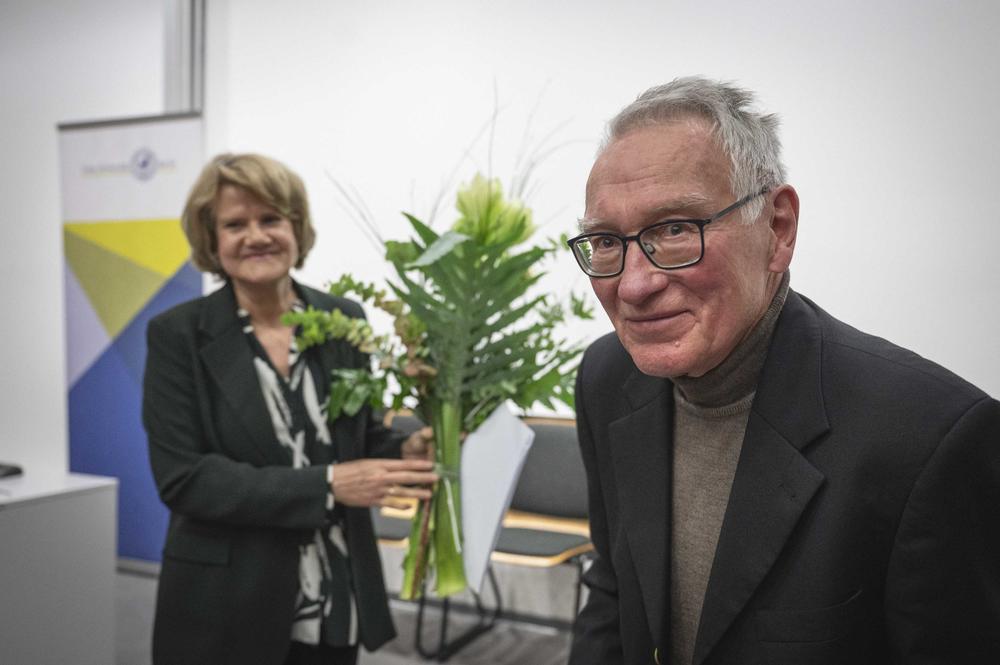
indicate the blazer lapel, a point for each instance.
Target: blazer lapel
{"x":642,"y":462}
{"x":774,"y":482}
{"x":229,"y":361}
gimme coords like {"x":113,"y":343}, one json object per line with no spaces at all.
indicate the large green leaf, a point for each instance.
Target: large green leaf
{"x":504,"y":342}
{"x":497,"y":324}
{"x":401,"y":253}
{"x":443,"y":245}
{"x":357,"y":398}
{"x":506,"y":351}
{"x":339,"y":390}
{"x":446,"y":277}
{"x":500,"y":298}
{"x":514,"y":375}
{"x":498,"y":271}
{"x":426,"y":233}
{"x":516,"y":261}
{"x":506,"y":360}
{"x":424,"y":307}
{"x":540,"y":387}
{"x":508,"y":281}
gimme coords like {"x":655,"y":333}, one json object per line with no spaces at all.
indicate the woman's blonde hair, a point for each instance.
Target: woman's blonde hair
{"x":268,"y":180}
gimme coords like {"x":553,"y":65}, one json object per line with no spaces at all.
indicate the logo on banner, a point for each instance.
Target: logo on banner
{"x":143,"y":165}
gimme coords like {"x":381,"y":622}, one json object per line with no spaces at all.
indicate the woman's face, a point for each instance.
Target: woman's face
{"x":255,"y":243}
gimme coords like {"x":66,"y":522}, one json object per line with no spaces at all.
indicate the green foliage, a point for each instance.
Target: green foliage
{"x":439,"y":248}
{"x":352,"y":389}
{"x":580,"y":308}
{"x":467,"y":337}
{"x":318,"y":326}
{"x":489,"y":342}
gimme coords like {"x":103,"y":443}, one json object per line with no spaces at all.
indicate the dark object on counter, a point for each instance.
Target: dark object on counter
{"x":9,"y":470}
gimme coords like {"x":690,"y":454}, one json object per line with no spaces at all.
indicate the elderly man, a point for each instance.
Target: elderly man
{"x":767,"y":484}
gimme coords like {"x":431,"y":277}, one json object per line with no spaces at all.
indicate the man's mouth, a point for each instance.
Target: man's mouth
{"x":661,"y":316}
{"x":665,"y":324}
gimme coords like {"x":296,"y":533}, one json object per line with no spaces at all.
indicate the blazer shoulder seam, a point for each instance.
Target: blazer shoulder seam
{"x":948,"y":378}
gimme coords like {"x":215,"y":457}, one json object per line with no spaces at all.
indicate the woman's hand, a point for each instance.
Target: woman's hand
{"x":382,"y":482}
{"x":419,"y":445}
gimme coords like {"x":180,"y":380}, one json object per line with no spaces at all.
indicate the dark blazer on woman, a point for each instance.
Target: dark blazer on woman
{"x":238,"y":510}
{"x":862,"y":526}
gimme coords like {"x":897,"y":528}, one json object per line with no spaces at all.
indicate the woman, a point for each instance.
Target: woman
{"x":270,"y":555}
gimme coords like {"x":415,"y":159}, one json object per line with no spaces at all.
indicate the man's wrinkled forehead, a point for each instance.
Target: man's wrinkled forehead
{"x":682,"y":205}
{"x":657,"y":171}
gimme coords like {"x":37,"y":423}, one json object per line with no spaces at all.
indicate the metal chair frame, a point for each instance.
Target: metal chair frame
{"x":445,"y":649}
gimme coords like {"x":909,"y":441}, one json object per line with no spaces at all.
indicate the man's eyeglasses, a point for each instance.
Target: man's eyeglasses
{"x":670,"y":244}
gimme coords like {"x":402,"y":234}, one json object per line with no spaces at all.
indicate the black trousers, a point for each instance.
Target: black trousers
{"x":307,"y":654}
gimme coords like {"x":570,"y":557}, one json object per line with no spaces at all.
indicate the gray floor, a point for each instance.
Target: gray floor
{"x":525,"y":591}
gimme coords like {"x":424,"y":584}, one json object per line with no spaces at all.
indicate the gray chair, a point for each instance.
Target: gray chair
{"x":547,"y":522}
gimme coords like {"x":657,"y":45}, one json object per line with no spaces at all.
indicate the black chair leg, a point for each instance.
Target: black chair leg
{"x":579,"y":585}
{"x":444,"y":649}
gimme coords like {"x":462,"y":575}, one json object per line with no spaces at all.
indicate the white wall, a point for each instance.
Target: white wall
{"x":889,"y":112}
{"x":889,"y":128}
{"x":60,"y":60}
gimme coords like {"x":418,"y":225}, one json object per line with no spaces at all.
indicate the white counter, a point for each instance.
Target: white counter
{"x":57,"y":569}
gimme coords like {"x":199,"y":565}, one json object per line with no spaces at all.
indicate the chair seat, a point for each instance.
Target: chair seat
{"x":389,"y":529}
{"x":528,"y":547}
{"x":531,"y":542}
{"x":539,"y":549}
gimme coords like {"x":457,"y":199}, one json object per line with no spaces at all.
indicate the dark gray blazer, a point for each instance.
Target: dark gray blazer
{"x":229,"y":577}
{"x":863,"y":525}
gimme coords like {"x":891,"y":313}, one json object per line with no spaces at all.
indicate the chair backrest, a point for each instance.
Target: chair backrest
{"x":553,"y":481}
{"x":404,"y":421}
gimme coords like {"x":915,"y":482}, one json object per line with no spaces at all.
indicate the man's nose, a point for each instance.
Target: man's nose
{"x":640,"y":278}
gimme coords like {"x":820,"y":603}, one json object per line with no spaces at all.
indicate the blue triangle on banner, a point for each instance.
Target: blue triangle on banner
{"x":131,"y":342}
{"x":106,"y":438}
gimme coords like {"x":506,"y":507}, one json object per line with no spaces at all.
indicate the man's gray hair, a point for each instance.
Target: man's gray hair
{"x":749,"y":137}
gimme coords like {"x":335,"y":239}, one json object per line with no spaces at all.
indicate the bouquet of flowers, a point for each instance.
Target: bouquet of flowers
{"x":467,"y":337}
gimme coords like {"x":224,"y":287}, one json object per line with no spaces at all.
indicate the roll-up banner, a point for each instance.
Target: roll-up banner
{"x":124,"y":183}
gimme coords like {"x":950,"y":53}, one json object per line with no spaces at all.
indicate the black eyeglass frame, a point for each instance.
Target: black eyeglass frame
{"x":700,"y":223}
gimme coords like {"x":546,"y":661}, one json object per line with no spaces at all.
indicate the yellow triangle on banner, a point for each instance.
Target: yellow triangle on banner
{"x":156,"y":244}
{"x":116,"y":288}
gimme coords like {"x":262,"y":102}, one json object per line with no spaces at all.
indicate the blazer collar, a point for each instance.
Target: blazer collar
{"x":229,"y":361}
{"x":774,"y":482}
{"x":219,"y":313}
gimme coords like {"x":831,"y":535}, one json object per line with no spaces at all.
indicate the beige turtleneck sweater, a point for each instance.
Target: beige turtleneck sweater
{"x":710,"y":419}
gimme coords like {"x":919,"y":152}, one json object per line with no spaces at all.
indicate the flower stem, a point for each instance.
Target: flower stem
{"x":447,"y":532}
{"x":436,"y":532}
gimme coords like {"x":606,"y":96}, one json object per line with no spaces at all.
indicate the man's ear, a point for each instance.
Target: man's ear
{"x":784,"y":228}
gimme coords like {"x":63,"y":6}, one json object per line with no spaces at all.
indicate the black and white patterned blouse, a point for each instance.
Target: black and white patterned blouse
{"x":325,"y":609}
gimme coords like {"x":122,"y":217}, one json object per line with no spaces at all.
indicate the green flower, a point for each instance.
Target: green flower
{"x":488,"y":218}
